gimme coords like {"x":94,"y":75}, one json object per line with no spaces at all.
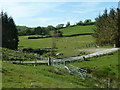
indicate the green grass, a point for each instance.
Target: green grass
{"x":109,"y":61}
{"x":77,"y":30}
{"x":100,"y":61}
{"x":34,"y":43}
{"x":21,"y":76}
{"x":101,"y":69}
{"x":34,"y":36}
{"x":69,"y":46}
{"x":42,"y":76}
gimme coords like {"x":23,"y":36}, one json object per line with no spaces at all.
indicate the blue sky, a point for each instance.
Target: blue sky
{"x":34,"y":14}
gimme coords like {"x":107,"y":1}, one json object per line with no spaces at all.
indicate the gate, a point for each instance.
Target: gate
{"x":61,"y":63}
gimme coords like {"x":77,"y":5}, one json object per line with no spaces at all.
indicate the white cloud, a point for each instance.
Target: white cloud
{"x":45,"y":13}
{"x":27,"y":13}
{"x":18,"y":10}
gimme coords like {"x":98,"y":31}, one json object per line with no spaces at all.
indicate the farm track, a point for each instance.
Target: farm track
{"x":97,"y":53}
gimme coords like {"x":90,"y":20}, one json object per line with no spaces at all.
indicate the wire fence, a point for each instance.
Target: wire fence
{"x":72,"y":69}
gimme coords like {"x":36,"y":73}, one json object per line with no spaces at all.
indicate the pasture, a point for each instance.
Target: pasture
{"x":77,"y":30}
{"x":69,"y":46}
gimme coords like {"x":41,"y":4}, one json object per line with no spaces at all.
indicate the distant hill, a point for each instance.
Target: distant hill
{"x":67,"y":31}
{"x":77,"y":30}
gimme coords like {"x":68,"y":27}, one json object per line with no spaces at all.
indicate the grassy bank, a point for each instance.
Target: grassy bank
{"x":21,"y":76}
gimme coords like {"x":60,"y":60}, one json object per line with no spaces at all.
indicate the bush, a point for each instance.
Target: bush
{"x":29,"y":50}
{"x":102,"y":73}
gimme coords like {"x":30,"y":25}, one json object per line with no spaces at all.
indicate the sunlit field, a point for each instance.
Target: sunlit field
{"x":69,"y":46}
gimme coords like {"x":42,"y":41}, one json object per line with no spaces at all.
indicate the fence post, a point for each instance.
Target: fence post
{"x":49,"y":61}
{"x":35,"y":64}
{"x":64,"y":63}
{"x":108,"y":83}
{"x":114,"y":45}
{"x":84,"y":58}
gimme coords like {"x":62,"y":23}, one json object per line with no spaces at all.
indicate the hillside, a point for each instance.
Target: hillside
{"x":103,"y":68}
{"x":77,"y":30}
{"x":71,"y":30}
{"x":41,"y":76}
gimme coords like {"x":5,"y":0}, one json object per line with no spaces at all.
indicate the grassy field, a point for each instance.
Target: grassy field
{"x":69,"y":46}
{"x":42,"y":76}
{"x":21,"y":76}
{"x":102,"y":67}
{"x":77,"y":30}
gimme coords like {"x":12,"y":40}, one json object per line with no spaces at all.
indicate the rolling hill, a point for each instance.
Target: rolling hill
{"x":76,"y":30}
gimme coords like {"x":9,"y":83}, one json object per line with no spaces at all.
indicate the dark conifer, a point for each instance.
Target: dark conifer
{"x":9,"y":32}
{"x":107,"y":29}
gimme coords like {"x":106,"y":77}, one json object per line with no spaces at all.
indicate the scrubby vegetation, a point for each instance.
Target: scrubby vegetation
{"x":11,"y":55}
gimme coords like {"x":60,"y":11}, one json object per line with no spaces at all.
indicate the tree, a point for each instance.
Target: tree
{"x":117,"y":36}
{"x":50,"y":28}
{"x":45,"y":31}
{"x":68,"y":24}
{"x":80,"y":23}
{"x":107,"y":28}
{"x":59,"y":26}
{"x":38,"y":30}
{"x":87,"y":21}
{"x":57,"y":33}
{"x":9,"y":32}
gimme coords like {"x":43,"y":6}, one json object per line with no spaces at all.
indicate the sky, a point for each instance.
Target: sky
{"x":34,"y":13}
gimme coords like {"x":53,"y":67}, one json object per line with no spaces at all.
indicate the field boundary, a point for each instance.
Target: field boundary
{"x":61,"y":36}
{"x":83,"y":58}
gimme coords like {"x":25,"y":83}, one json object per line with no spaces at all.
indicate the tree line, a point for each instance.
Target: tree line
{"x":9,"y":32}
{"x":86,"y":22}
{"x":23,"y":30}
{"x":34,"y":31}
{"x":107,"y":29}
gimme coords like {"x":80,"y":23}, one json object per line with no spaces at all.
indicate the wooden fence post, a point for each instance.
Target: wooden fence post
{"x":49,"y":61}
